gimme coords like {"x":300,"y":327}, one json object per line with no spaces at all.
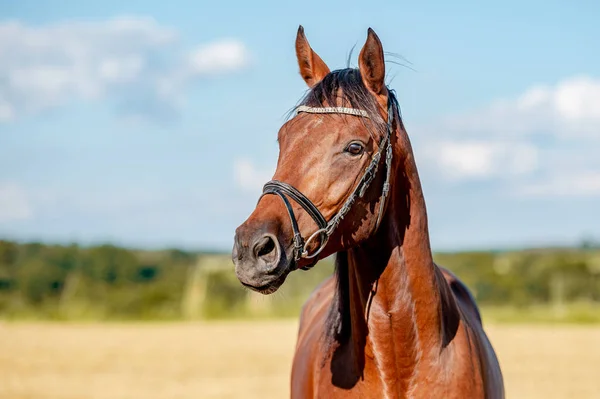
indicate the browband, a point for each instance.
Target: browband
{"x":332,"y":110}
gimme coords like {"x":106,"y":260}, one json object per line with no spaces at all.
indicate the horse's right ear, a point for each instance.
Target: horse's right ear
{"x":312,"y":67}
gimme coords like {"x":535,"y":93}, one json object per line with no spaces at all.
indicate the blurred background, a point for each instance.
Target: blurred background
{"x":136,"y":136}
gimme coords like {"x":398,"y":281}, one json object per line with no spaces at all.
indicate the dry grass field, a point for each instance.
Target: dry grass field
{"x":245,"y":360}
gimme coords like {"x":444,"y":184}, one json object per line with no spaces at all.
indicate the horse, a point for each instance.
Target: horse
{"x":389,"y":322}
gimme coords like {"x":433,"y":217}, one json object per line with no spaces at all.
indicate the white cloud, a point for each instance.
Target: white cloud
{"x":484,"y":159}
{"x":573,"y":99}
{"x":14,"y":204}
{"x":133,"y":60}
{"x":568,"y":110}
{"x":219,"y":57}
{"x":582,"y":184}
{"x":249,"y":177}
{"x":540,"y":143}
{"x":577,"y":99}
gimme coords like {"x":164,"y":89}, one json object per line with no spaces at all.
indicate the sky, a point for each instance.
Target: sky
{"x":154,"y":124}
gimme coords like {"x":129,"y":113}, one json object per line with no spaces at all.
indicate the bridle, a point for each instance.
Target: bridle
{"x":326,"y":229}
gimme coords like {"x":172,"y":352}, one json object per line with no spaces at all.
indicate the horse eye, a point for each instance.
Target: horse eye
{"x":355,"y":148}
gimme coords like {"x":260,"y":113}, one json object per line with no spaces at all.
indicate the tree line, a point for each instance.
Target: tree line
{"x":107,"y":282}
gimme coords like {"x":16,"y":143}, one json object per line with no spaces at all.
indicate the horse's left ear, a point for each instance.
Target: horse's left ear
{"x":312,"y":68}
{"x":371,"y":64}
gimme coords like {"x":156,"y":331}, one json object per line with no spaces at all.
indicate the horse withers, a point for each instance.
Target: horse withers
{"x":389,"y":323}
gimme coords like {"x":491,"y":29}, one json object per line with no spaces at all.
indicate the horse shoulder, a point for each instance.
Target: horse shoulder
{"x":490,"y":367}
{"x":310,"y":331}
{"x":316,"y":305}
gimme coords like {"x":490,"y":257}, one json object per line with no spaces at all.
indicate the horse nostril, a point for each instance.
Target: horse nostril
{"x":265,"y":249}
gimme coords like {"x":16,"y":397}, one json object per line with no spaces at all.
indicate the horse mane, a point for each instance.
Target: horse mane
{"x":337,"y":324}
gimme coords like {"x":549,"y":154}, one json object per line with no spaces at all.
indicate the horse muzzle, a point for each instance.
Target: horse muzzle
{"x":261,"y":263}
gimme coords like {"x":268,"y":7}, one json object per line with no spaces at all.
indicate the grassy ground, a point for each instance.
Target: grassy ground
{"x":246,"y":359}
{"x":572,"y":313}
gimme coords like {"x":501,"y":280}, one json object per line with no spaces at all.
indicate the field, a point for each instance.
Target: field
{"x":246,"y":360}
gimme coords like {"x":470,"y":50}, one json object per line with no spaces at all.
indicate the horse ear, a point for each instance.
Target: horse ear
{"x":312,"y":67}
{"x":372,"y":64}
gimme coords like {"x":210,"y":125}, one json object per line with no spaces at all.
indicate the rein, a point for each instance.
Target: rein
{"x":326,"y":229}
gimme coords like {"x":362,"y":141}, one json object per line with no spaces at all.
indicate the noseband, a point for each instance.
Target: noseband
{"x":326,"y":229}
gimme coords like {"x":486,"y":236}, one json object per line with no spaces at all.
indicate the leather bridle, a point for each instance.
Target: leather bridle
{"x":326,"y":229}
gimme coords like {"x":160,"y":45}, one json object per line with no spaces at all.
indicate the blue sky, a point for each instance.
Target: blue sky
{"x":154,"y":123}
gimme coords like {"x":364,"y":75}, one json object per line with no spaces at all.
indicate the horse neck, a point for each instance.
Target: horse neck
{"x":392,"y":309}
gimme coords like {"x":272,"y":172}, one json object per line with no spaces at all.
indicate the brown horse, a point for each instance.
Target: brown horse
{"x":389,"y":323}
